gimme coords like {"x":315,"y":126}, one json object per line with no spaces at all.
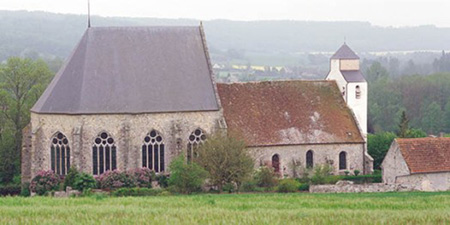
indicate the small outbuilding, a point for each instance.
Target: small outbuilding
{"x":421,"y":163}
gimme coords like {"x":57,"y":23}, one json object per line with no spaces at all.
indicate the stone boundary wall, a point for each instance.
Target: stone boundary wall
{"x":357,"y":188}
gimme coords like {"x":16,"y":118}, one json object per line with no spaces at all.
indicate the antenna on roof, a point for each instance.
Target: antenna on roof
{"x":89,"y":14}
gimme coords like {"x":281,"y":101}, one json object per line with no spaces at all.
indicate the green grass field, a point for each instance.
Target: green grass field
{"x":298,"y":208}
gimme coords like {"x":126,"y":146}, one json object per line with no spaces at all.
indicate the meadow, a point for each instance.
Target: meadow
{"x":271,"y":208}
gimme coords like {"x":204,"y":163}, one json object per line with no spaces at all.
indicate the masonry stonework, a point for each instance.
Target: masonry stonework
{"x":322,"y":154}
{"x":127,"y":130}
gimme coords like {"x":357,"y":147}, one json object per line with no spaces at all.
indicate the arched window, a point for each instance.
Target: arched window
{"x":276,"y":163}
{"x":342,"y":160}
{"x":309,"y":159}
{"x":60,"y":154}
{"x":358,"y":92}
{"x":195,"y":139}
{"x":104,"y":154}
{"x":153,"y":151}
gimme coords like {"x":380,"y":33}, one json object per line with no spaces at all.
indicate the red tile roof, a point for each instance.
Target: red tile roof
{"x":288,"y":113}
{"x":425,"y":155}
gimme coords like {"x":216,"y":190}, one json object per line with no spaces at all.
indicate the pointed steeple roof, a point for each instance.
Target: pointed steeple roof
{"x":344,"y":52}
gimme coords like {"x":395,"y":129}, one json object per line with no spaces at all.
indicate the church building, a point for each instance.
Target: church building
{"x":130,"y":97}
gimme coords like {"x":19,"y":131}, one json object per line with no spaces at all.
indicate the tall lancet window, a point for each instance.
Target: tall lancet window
{"x":358,"y":92}
{"x":195,"y":139}
{"x":153,"y":151}
{"x":60,"y":154}
{"x":104,"y":154}
{"x":309,"y":159}
{"x":342,"y":160}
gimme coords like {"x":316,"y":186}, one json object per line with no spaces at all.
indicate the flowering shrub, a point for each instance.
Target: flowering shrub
{"x":143,"y":177}
{"x":116,"y":179}
{"x":44,"y":182}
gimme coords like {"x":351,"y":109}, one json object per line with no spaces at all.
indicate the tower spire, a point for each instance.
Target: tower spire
{"x":89,"y":14}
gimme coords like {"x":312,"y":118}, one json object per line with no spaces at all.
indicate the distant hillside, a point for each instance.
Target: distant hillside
{"x":56,"y":34}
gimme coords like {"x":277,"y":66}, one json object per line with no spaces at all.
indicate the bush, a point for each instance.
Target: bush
{"x":265,"y":177}
{"x":322,"y":174}
{"x":10,"y":189}
{"x":229,"y":187}
{"x":111,"y":180}
{"x":288,"y":185}
{"x":44,"y":181}
{"x":356,"y":172}
{"x":162,"y":180}
{"x":186,"y":177}
{"x":84,"y":181}
{"x":25,"y":189}
{"x":143,"y":177}
{"x":122,"y":192}
{"x":303,"y":187}
{"x":70,"y":177}
{"x":248,"y":186}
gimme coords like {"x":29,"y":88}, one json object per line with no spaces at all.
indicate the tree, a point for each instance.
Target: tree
{"x":376,"y":71}
{"x":378,"y":145}
{"x":186,"y":177}
{"x":432,"y":118}
{"x":403,"y":126}
{"x":447,"y":117}
{"x":415,"y":133}
{"x":226,"y":159}
{"x":22,"y":81}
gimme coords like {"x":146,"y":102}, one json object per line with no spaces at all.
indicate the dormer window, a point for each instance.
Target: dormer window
{"x":358,"y":92}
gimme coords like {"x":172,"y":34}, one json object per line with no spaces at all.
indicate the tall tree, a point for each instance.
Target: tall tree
{"x":403,"y":125}
{"x":432,"y":118}
{"x":22,"y":81}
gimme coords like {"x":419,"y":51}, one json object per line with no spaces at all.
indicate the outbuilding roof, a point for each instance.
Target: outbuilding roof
{"x":345,"y":52}
{"x":133,"y":70}
{"x":288,"y":113}
{"x":426,"y":155}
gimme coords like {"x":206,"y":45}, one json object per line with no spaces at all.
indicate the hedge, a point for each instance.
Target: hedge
{"x":10,"y":189}
{"x":364,"y":179}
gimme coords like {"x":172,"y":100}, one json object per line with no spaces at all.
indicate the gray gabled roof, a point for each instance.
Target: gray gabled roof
{"x":133,"y":70}
{"x":344,"y":52}
{"x":353,"y":76}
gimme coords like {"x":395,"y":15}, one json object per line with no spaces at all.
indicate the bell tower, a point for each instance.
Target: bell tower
{"x":344,"y":69}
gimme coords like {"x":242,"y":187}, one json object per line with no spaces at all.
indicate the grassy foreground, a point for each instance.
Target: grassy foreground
{"x":298,"y":208}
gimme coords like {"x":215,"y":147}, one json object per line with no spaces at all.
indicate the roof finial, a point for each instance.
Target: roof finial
{"x":89,"y":14}
{"x":345,"y":40}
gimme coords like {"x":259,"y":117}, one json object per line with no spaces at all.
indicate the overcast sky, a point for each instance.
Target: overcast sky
{"x":378,"y":12}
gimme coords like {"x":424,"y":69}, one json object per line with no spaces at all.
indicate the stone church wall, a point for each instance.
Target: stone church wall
{"x":127,"y":130}
{"x":322,"y":154}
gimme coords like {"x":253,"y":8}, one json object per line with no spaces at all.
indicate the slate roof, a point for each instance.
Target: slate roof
{"x":133,"y":70}
{"x":344,"y":52}
{"x":353,"y":76}
{"x":426,"y":155}
{"x":288,"y":113}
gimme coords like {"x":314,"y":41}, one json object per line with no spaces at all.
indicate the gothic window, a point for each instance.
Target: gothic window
{"x":309,"y":159}
{"x":153,"y":152}
{"x":276,"y":163}
{"x":358,"y":92}
{"x":195,"y":139}
{"x":60,"y":154}
{"x":342,"y":160}
{"x":104,"y":154}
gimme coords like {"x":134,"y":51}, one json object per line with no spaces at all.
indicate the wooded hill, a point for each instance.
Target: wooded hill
{"x":53,"y":34}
